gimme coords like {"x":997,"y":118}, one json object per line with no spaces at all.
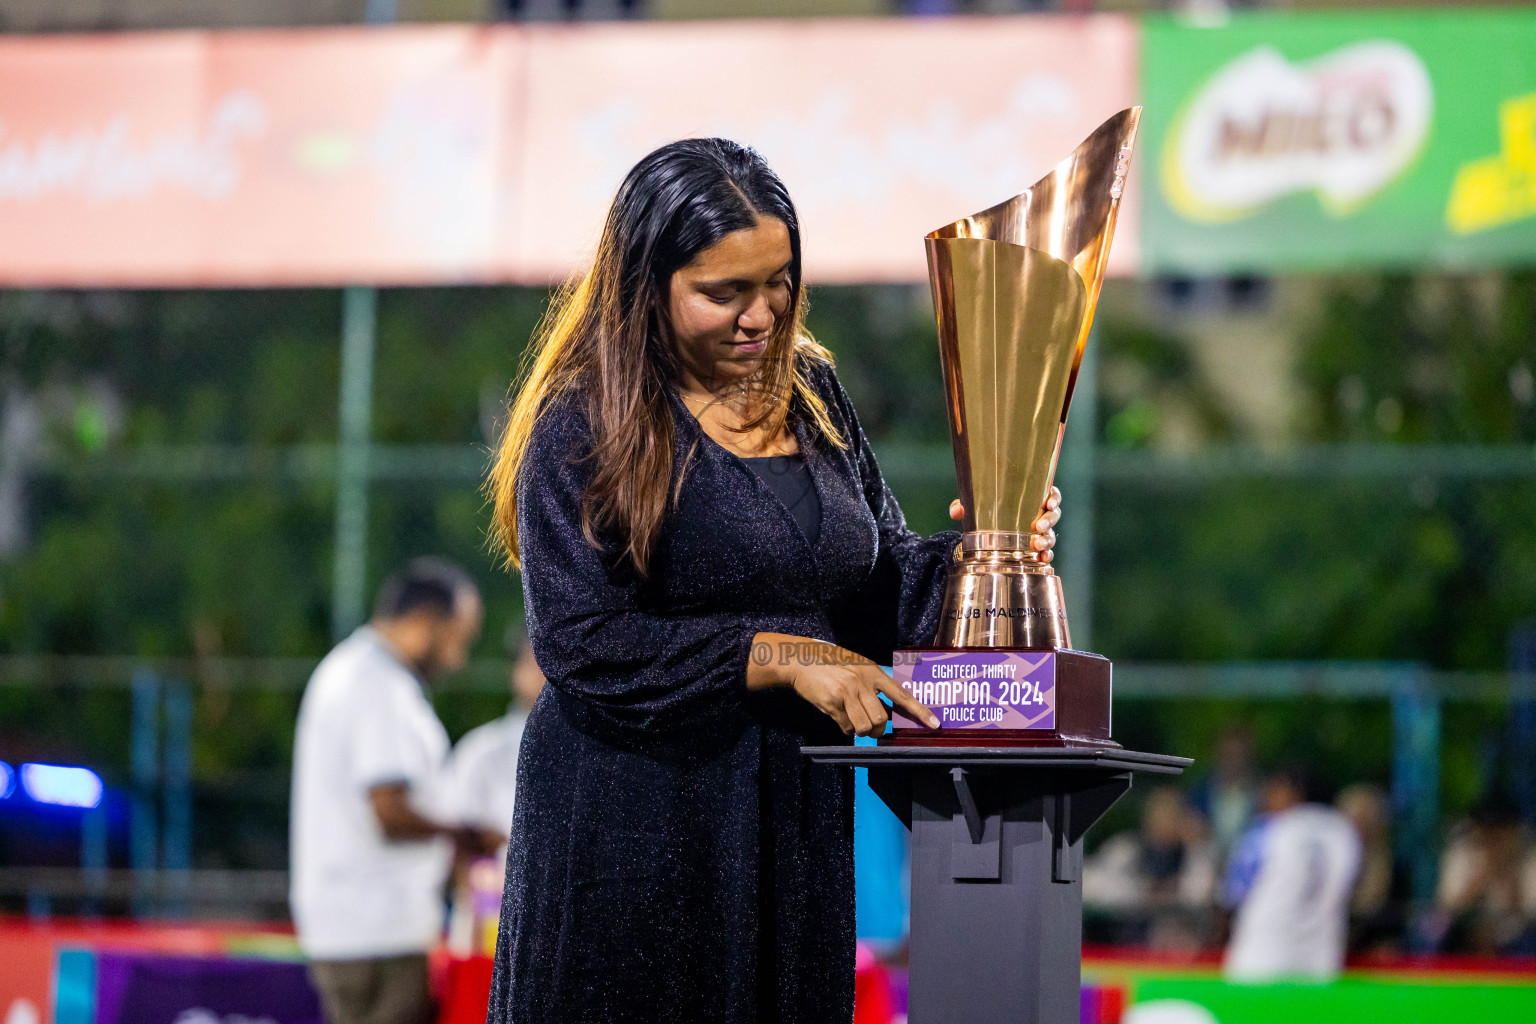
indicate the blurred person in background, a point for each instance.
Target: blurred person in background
{"x":482,"y":786}
{"x":370,"y":848}
{"x":1485,"y":902}
{"x":482,"y":768}
{"x":1229,"y":795}
{"x":1289,"y":880}
{"x":1159,"y":880}
{"x":1378,"y":906}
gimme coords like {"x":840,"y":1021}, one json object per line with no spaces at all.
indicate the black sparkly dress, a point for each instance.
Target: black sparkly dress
{"x":673,"y":857}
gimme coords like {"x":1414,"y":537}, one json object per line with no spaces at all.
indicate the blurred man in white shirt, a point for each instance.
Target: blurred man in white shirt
{"x":482,"y":780}
{"x":483,"y":766}
{"x":1290,"y":880}
{"x":371,"y":842}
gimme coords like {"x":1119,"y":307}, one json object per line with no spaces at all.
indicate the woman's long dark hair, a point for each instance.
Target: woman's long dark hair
{"x":608,"y":331}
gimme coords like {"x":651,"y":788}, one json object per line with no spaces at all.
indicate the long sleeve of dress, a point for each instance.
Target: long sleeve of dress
{"x":653,"y":669}
{"x":907,"y":584}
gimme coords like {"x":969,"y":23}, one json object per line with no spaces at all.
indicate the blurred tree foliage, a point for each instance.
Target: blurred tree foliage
{"x":1437,"y":571}
{"x":235,"y":566}
{"x":1434,"y":571}
{"x":1422,"y":569}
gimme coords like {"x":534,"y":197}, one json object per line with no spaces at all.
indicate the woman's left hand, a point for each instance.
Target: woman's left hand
{"x":1044,"y":538}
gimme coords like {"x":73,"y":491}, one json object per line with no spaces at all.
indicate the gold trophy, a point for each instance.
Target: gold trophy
{"x":1014,"y":291}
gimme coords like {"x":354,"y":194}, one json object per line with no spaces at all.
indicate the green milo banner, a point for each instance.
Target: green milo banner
{"x":1349,"y":1001}
{"x":1339,"y":141}
{"x":1156,"y":994}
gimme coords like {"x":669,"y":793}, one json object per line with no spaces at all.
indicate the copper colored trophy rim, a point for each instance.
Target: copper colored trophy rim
{"x":1083,"y":240}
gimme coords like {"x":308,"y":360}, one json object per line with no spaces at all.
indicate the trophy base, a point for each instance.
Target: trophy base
{"x":1002,"y":600}
{"x":1005,"y":697}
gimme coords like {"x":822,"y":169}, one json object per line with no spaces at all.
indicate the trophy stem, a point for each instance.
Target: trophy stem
{"x":1002,"y":597}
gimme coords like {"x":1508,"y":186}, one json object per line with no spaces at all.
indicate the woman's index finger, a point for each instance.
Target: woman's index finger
{"x":910,"y":706}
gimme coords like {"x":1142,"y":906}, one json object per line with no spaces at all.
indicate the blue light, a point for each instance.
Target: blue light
{"x":61,"y":785}
{"x":7,"y":780}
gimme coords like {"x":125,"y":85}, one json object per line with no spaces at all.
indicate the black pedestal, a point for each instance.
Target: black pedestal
{"x":997,"y":851}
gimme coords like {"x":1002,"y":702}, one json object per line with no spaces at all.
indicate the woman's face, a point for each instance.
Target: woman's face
{"x":724,"y":306}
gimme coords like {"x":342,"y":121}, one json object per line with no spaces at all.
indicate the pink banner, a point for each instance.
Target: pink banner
{"x":297,"y":158}
{"x":883,"y":129}
{"x":421,"y":155}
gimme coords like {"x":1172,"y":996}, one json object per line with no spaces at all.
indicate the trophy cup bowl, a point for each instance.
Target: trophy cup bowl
{"x":1014,"y":291}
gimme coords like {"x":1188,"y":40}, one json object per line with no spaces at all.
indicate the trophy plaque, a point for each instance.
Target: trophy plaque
{"x":1014,"y":291}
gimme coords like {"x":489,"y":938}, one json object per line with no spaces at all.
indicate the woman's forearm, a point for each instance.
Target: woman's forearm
{"x":776,"y":657}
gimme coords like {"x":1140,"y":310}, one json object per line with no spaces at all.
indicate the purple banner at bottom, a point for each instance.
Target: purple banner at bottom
{"x":150,"y":988}
{"x":980,"y":689}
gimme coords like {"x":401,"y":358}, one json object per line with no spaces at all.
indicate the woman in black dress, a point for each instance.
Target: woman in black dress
{"x":710,"y":561}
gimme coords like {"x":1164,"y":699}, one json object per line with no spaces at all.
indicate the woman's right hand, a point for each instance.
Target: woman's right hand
{"x":850,"y":695}
{"x":844,"y":686}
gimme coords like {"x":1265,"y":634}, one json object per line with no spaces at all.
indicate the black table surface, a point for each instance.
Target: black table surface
{"x":1087,"y":756}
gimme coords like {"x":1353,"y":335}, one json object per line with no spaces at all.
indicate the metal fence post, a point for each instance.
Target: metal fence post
{"x":176,"y":831}
{"x":1416,"y":777}
{"x":93,"y":857}
{"x":1522,"y":718}
{"x":143,"y":827}
{"x":348,"y":594}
